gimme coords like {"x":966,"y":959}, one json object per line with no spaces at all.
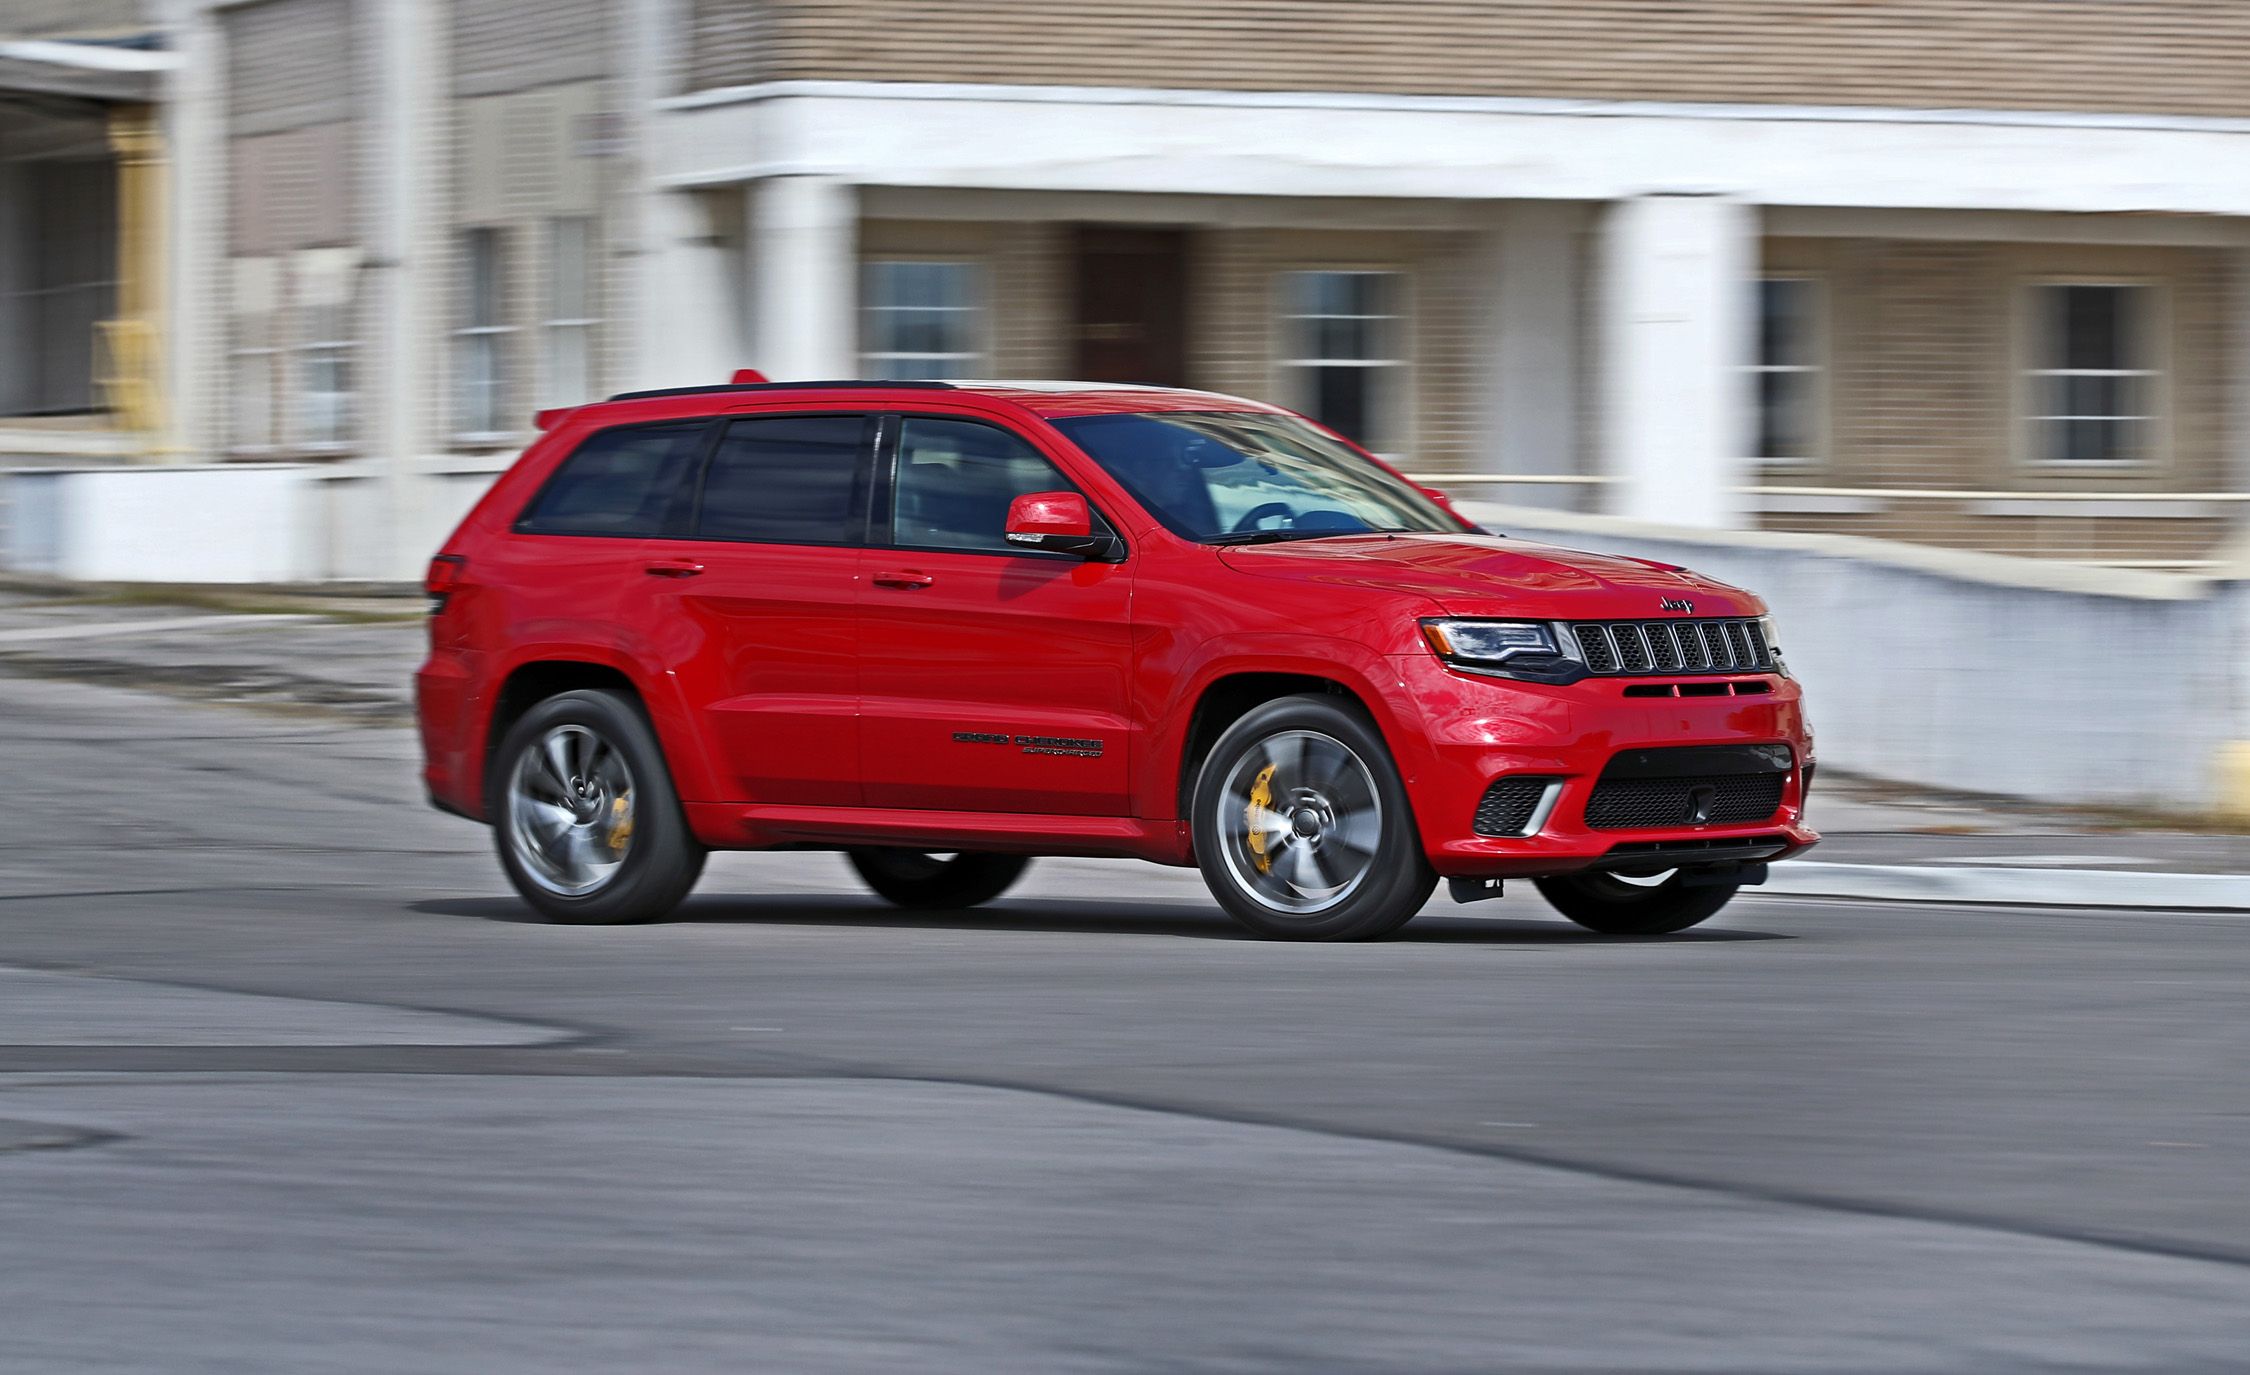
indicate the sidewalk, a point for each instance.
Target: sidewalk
{"x":354,"y":657}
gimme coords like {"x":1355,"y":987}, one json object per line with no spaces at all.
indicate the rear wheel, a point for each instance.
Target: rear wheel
{"x":584,"y":816}
{"x":1619,"y":906}
{"x":1302,"y":827}
{"x":936,"y":881}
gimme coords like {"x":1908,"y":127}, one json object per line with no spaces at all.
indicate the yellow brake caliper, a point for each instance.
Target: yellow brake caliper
{"x":620,"y":825}
{"x":1261,"y":800}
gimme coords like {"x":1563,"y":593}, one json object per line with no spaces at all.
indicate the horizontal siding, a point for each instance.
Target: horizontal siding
{"x":515,"y":45}
{"x":2170,"y":56}
{"x":289,"y":65}
{"x":63,"y":18}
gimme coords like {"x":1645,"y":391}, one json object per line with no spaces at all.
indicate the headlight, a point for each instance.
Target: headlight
{"x":1773,"y":645}
{"x":1506,"y":649}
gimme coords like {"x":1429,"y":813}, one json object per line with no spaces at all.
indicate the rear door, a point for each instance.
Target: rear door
{"x":992,"y":678}
{"x":753,"y":609}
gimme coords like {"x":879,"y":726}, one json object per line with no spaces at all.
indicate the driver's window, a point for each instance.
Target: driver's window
{"x":956,"y":479}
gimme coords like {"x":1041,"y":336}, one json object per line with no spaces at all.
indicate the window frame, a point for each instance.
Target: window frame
{"x":553,"y":324}
{"x":492,"y":336}
{"x":266,"y":326}
{"x":882,"y":507}
{"x":1291,"y":370}
{"x":980,"y":333}
{"x":302,"y":352}
{"x":1819,"y":429}
{"x":2027,"y":421}
{"x":863,"y":479}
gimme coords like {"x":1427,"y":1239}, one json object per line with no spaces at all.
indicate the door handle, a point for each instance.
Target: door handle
{"x":675,"y":568}
{"x":909,"y":581}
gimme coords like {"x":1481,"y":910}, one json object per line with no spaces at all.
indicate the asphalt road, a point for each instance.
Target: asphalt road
{"x":287,"y":1082}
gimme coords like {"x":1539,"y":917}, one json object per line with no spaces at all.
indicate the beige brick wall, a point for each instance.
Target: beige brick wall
{"x":1925,"y":343}
{"x":2182,"y":56}
{"x":1233,"y":336}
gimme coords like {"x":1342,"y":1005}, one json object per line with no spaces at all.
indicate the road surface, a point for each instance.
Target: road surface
{"x":288,"y":1082}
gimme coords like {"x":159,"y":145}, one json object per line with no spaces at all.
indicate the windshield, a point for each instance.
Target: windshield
{"x":1240,"y":477}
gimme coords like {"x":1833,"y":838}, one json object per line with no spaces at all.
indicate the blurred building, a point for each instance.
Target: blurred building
{"x":1973,"y":273}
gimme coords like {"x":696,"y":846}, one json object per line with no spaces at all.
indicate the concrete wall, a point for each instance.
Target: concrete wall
{"x":1980,"y":672}
{"x":225,"y":525}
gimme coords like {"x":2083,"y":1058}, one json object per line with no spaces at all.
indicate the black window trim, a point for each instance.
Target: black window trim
{"x":882,"y":508}
{"x":855,"y":520}
{"x":517,"y":526}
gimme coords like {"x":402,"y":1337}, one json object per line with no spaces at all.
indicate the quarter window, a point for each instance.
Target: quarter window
{"x":922,"y":320}
{"x":633,"y":480}
{"x":956,"y":480}
{"x":2093,"y":381}
{"x":787,"y":480}
{"x":1787,"y":373}
{"x":1345,"y":351}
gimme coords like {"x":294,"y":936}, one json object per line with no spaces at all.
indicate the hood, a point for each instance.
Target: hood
{"x":1485,"y":575}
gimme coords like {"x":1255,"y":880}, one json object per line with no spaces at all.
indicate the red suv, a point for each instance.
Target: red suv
{"x":948,"y":627}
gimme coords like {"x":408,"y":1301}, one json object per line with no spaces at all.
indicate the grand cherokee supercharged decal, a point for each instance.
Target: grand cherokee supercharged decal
{"x":1070,"y":745}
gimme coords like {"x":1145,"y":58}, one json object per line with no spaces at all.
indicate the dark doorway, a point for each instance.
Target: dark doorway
{"x":1132,"y":305}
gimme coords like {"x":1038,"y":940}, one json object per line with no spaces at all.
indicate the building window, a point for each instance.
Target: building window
{"x":480,"y":342}
{"x":922,"y":320}
{"x":1787,"y":371}
{"x":1344,"y":354}
{"x":254,"y":358}
{"x":567,"y":352}
{"x":2093,"y":376}
{"x":324,"y":383}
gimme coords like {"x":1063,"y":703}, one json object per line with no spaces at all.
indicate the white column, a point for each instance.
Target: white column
{"x":687,"y":302}
{"x":196,"y":291}
{"x":1532,"y":268}
{"x":683,"y":299}
{"x":1674,"y":334}
{"x":403,"y":398}
{"x":804,"y":277}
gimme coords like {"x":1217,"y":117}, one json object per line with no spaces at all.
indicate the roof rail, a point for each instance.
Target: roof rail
{"x":721,"y":388}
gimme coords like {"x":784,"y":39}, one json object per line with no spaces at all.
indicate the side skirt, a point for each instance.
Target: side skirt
{"x":769,"y":826}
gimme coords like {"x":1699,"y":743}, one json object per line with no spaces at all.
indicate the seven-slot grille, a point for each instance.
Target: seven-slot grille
{"x":1732,"y":645}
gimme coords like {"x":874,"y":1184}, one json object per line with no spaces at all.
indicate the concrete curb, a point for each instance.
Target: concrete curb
{"x":2010,"y":887}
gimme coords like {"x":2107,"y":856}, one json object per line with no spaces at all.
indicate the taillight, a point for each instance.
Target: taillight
{"x":444,"y":576}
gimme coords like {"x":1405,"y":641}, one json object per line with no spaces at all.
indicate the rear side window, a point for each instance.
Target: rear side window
{"x":796,"y":479}
{"x":633,"y":480}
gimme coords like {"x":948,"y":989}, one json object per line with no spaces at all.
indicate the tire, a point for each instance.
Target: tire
{"x":1615,"y":907}
{"x":584,"y":815}
{"x":927,"y":881}
{"x":1302,"y":826}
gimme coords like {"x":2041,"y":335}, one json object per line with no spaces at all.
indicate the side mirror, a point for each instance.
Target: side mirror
{"x":1058,"y":522}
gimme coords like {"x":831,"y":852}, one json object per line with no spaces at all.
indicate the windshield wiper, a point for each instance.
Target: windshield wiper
{"x":1276,"y":536}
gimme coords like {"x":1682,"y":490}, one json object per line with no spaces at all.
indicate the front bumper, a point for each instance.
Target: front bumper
{"x":1473,"y":730}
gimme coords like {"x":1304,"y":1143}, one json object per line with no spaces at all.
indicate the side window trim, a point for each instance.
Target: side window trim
{"x":855,"y":520}
{"x":882,"y":522}
{"x":520,"y":523}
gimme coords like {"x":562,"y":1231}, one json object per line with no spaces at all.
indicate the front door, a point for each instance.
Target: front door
{"x":991,"y":678}
{"x":754,"y":610}
{"x":1132,"y":305}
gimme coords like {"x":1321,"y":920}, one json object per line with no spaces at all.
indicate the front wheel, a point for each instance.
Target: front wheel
{"x":1302,"y":827}
{"x":937,"y":882}
{"x":1619,"y":906}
